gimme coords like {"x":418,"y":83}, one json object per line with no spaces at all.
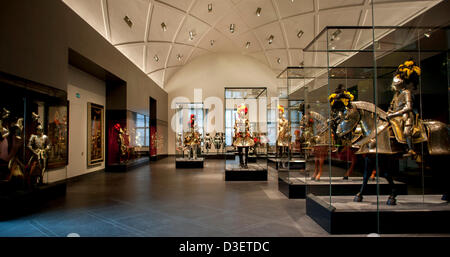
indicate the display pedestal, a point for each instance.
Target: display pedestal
{"x":20,"y":202}
{"x":295,"y":187}
{"x":294,"y":164}
{"x":254,"y":172}
{"x":127,"y":166}
{"x":219,"y":156}
{"x":185,"y":163}
{"x":412,"y":214}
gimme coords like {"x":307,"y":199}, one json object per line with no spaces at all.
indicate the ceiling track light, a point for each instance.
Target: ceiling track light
{"x":163,"y":26}
{"x":212,"y":41}
{"x":232,"y":27}
{"x":279,"y":60}
{"x":156,"y":58}
{"x":270,"y":39}
{"x":191,"y":35}
{"x":300,"y":33}
{"x":335,"y":35}
{"x":258,"y":11}
{"x":128,"y":21}
{"x":428,"y":33}
{"x":179,"y":57}
{"x":209,"y":7}
{"x":247,"y":45}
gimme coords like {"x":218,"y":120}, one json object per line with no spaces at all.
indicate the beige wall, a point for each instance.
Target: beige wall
{"x":91,"y":90}
{"x":212,"y":73}
{"x":37,"y":36}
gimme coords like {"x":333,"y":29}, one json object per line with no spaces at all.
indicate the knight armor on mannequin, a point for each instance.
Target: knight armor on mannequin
{"x":192,"y":138}
{"x":401,"y":108}
{"x":39,"y":145}
{"x":284,"y":135}
{"x":208,"y":142}
{"x":341,"y":107}
{"x":218,"y":140}
{"x":242,"y":137}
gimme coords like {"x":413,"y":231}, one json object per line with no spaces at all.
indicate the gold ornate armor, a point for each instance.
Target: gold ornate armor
{"x":39,"y":145}
{"x":192,"y":138}
{"x":242,"y":135}
{"x":284,"y":135}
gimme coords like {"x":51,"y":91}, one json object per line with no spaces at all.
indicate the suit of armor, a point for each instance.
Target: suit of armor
{"x":208,"y":142}
{"x":39,"y":144}
{"x":401,"y":109}
{"x":192,"y":138}
{"x":242,"y":137}
{"x":284,"y":135}
{"x":218,"y":140}
{"x":340,"y":102}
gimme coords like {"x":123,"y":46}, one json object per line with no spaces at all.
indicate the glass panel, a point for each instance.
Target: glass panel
{"x":189,"y":132}
{"x":246,"y":131}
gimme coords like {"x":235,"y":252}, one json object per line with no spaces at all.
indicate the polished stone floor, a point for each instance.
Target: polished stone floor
{"x":159,"y":200}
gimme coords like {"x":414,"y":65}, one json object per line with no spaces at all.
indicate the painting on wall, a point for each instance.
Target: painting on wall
{"x":95,"y":136}
{"x":58,"y":135}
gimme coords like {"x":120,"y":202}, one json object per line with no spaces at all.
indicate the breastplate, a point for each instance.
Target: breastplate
{"x":399,"y":101}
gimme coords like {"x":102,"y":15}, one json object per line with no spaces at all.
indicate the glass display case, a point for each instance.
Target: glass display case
{"x":379,"y":156}
{"x":246,"y":133}
{"x":189,"y":132}
{"x":128,"y":140}
{"x":33,"y":140}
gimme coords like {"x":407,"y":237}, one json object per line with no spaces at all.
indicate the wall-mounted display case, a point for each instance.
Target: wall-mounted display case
{"x":189,"y":132}
{"x":246,"y":133}
{"x":128,"y":140}
{"x":33,"y":141}
{"x":381,"y":94}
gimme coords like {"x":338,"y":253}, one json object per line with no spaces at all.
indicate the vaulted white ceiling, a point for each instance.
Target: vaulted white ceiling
{"x":160,"y":53}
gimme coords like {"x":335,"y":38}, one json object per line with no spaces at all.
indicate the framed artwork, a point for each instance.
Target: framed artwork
{"x":57,"y":128}
{"x":95,"y":135}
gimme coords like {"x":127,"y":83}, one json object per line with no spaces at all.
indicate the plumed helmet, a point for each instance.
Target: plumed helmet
{"x":409,"y":72}
{"x":281,"y":108}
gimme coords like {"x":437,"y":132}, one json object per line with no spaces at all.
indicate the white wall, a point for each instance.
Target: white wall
{"x":91,"y":90}
{"x":212,"y":73}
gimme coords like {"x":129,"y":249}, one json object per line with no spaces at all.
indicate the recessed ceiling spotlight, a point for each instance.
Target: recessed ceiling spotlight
{"x":258,"y":11}
{"x":212,"y":41}
{"x":156,"y":58}
{"x":247,"y":45}
{"x":128,"y":21}
{"x":335,"y":35}
{"x":232,"y":26}
{"x":333,"y":48}
{"x":209,"y":7}
{"x":279,"y":60}
{"x":300,"y":34}
{"x":163,"y":26}
{"x":270,"y":39}
{"x":179,"y":57}
{"x":191,"y":35}
{"x":292,"y":1}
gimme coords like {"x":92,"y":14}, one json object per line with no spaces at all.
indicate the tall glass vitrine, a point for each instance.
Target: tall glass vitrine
{"x":189,"y":133}
{"x":383,"y":102}
{"x":246,"y":133}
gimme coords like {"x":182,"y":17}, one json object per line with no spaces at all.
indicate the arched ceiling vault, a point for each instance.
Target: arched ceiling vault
{"x":160,"y":36}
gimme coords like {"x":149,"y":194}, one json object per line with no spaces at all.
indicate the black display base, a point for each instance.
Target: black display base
{"x":219,"y":156}
{"x":158,"y":157}
{"x":291,"y":191}
{"x":182,"y":163}
{"x":22,"y":202}
{"x":254,"y":172}
{"x":127,"y":166}
{"x":296,"y":187}
{"x":294,"y":164}
{"x":412,"y":214}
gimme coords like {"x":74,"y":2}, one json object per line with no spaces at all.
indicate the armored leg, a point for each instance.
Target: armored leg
{"x":241,"y":158}
{"x":246,"y":157}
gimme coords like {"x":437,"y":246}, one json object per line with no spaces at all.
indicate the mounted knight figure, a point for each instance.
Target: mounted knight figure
{"x":395,"y":134}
